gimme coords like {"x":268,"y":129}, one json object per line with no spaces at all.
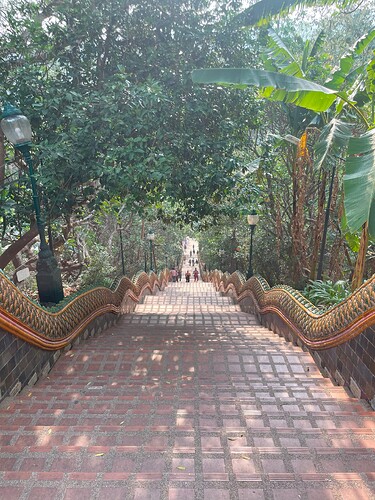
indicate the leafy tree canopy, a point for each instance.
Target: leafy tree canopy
{"x":114,"y":112}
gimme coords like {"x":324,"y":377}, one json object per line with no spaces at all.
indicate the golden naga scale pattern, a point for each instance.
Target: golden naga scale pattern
{"x":317,"y":329}
{"x":55,"y":328}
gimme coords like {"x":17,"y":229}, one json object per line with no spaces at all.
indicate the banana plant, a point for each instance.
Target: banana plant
{"x":279,"y":57}
{"x":359,"y":183}
{"x":333,"y":96}
{"x":275,"y":86}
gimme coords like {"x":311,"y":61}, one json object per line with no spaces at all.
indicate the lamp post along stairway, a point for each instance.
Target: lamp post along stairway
{"x":186,"y":398}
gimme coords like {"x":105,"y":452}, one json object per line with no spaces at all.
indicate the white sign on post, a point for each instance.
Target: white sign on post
{"x":23,"y":274}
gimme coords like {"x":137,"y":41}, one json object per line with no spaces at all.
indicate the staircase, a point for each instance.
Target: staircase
{"x":186,"y":398}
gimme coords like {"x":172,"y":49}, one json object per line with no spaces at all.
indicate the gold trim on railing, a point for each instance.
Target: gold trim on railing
{"x":318,"y":330}
{"x":54,"y":330}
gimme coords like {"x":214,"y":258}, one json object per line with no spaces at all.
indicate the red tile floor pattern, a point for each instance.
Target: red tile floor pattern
{"x":187,"y":398}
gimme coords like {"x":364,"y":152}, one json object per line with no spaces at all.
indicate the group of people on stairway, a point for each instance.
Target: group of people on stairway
{"x":176,"y":275}
{"x":191,"y":251}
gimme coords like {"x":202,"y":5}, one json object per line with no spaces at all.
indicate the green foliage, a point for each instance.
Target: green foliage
{"x":359,"y":182}
{"x":224,"y":245}
{"x":345,"y":75}
{"x":289,"y":89}
{"x":115,"y":116}
{"x":279,"y":56}
{"x":112,"y":106}
{"x":99,"y":270}
{"x":261,"y":12}
{"x":353,"y":239}
{"x":332,"y":143}
{"x":342,"y":87}
{"x":122,"y":135}
{"x":326,"y":293}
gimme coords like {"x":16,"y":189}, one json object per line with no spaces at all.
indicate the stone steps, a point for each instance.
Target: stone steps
{"x":218,"y":408}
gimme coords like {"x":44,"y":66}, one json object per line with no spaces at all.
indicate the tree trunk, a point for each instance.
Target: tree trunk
{"x":325,"y":229}
{"x":361,"y":259}
{"x":298,"y":220}
{"x":27,"y":238}
{"x":279,"y":232}
{"x":154,"y":259}
{"x":16,"y":247}
{"x":2,"y":159}
{"x":339,"y":247}
{"x":318,"y":226}
{"x":142,"y":239}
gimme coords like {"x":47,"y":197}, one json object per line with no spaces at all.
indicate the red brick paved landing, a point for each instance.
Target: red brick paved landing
{"x":187,"y":398}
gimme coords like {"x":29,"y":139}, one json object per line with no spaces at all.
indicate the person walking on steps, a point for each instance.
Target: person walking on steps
{"x":195,"y":274}
{"x":174,"y":275}
{"x":187,"y":276}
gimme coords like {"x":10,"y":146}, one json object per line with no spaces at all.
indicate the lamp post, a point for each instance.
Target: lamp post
{"x":252,"y":220}
{"x":221,"y":254}
{"x":17,"y":130}
{"x":119,"y":229}
{"x":151,"y":237}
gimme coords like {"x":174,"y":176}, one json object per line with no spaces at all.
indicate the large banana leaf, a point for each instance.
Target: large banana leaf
{"x":262,"y":11}
{"x":318,"y":44}
{"x":332,"y":142}
{"x":283,"y":58}
{"x":359,"y":182}
{"x":288,"y":88}
{"x":343,"y":73}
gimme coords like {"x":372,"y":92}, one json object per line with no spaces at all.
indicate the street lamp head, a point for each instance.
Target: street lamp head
{"x":15,"y":125}
{"x":253,"y":218}
{"x":151,"y":236}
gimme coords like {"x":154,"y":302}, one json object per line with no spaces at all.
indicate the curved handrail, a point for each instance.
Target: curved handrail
{"x":318,"y":330}
{"x":53,"y":330}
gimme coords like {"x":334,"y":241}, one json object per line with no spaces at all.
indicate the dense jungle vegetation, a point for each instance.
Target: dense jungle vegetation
{"x":125,"y":135}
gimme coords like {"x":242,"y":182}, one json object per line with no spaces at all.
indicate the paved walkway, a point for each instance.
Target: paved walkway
{"x":187,"y":398}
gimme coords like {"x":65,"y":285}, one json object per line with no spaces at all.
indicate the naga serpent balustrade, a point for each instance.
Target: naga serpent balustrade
{"x":53,"y":329}
{"x":318,"y":330}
